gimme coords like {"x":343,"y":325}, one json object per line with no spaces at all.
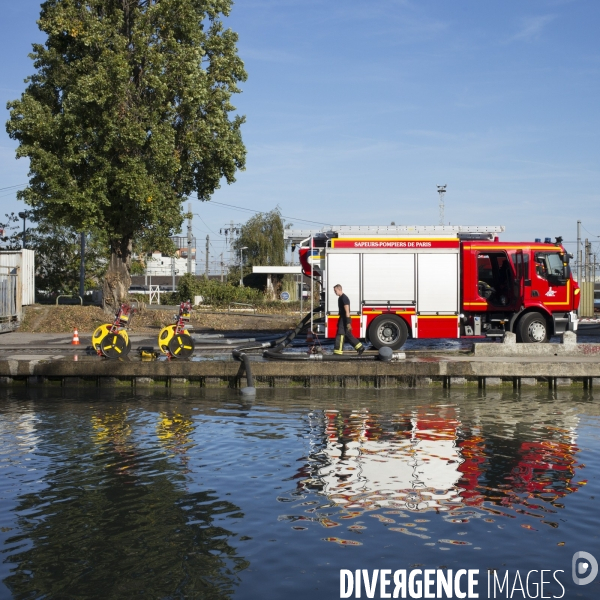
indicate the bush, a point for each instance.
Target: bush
{"x":187,"y":287}
{"x":216,"y":293}
{"x":169,"y":298}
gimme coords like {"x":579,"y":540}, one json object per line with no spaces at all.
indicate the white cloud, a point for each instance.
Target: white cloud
{"x":531,"y":28}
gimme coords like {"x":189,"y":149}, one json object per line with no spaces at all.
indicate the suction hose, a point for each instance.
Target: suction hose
{"x":278,"y":344}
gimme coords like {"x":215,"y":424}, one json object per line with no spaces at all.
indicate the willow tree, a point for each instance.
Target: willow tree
{"x":127,"y":114}
{"x":262,"y":238}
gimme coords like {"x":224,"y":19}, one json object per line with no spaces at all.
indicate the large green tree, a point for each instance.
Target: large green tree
{"x":127,"y":114}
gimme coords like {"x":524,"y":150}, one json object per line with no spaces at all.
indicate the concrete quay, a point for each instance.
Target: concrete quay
{"x":442,"y":370}
{"x":36,"y":359}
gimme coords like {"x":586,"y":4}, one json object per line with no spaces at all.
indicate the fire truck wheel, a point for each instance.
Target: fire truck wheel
{"x":388,"y":330}
{"x":533,"y":329}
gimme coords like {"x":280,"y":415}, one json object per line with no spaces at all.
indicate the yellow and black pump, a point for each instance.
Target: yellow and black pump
{"x":111,"y":340}
{"x":175,"y":340}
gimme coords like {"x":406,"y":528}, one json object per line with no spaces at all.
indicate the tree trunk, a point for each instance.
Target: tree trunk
{"x":117,"y":279}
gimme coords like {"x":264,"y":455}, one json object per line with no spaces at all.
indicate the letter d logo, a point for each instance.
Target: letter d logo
{"x":584,"y":567}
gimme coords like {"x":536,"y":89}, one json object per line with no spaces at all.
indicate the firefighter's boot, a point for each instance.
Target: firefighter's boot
{"x":339,"y":344}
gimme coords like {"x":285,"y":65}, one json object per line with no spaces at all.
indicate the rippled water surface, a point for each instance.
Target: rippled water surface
{"x":200,"y":494}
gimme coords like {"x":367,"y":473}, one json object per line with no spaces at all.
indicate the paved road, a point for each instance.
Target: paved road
{"x":61,"y":342}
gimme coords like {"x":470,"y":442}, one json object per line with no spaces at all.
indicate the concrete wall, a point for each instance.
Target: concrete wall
{"x":515,"y":372}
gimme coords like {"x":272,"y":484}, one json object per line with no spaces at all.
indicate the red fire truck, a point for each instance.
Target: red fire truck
{"x":440,"y":282}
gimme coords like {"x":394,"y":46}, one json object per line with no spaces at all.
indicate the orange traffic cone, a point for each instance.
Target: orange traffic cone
{"x":309,"y":337}
{"x":75,"y":340}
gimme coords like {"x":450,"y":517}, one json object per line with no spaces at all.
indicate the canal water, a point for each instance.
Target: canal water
{"x":203,"y":494}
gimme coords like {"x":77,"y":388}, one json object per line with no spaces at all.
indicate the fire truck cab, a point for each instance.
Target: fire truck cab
{"x":440,"y":282}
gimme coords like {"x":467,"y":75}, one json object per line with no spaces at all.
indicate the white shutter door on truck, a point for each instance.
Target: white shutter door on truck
{"x":345,"y":270}
{"x":437,"y":288}
{"x":388,"y":278}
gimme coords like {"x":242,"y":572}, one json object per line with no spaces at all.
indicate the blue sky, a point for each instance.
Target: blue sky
{"x":356,"y":110}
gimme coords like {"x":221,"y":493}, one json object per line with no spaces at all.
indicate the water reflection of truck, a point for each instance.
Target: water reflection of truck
{"x":440,"y":282}
{"x":426,"y":461}
{"x":416,"y":468}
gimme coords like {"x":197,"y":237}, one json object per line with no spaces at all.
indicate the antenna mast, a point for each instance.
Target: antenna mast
{"x":441,"y":191}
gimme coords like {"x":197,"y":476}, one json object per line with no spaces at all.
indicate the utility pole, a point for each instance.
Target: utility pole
{"x":221,"y":267}
{"x":206,"y":267}
{"x":578,"y":252}
{"x":230,"y":231}
{"x":441,"y":191}
{"x":242,"y":265}
{"x":189,"y":239}
{"x":586,"y":262}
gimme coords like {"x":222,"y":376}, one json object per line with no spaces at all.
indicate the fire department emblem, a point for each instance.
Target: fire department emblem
{"x":551,"y":293}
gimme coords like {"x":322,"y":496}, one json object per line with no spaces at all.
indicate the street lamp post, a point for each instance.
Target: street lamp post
{"x":173,"y":273}
{"x":82,"y":267}
{"x":242,"y":265}
{"x":23,"y":215}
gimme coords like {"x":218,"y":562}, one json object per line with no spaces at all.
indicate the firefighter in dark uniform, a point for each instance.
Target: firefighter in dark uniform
{"x":344,"y":330}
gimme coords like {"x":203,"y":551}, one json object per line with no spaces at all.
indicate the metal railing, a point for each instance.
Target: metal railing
{"x":154,"y":294}
{"x":251,"y":306}
{"x":69,"y":296}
